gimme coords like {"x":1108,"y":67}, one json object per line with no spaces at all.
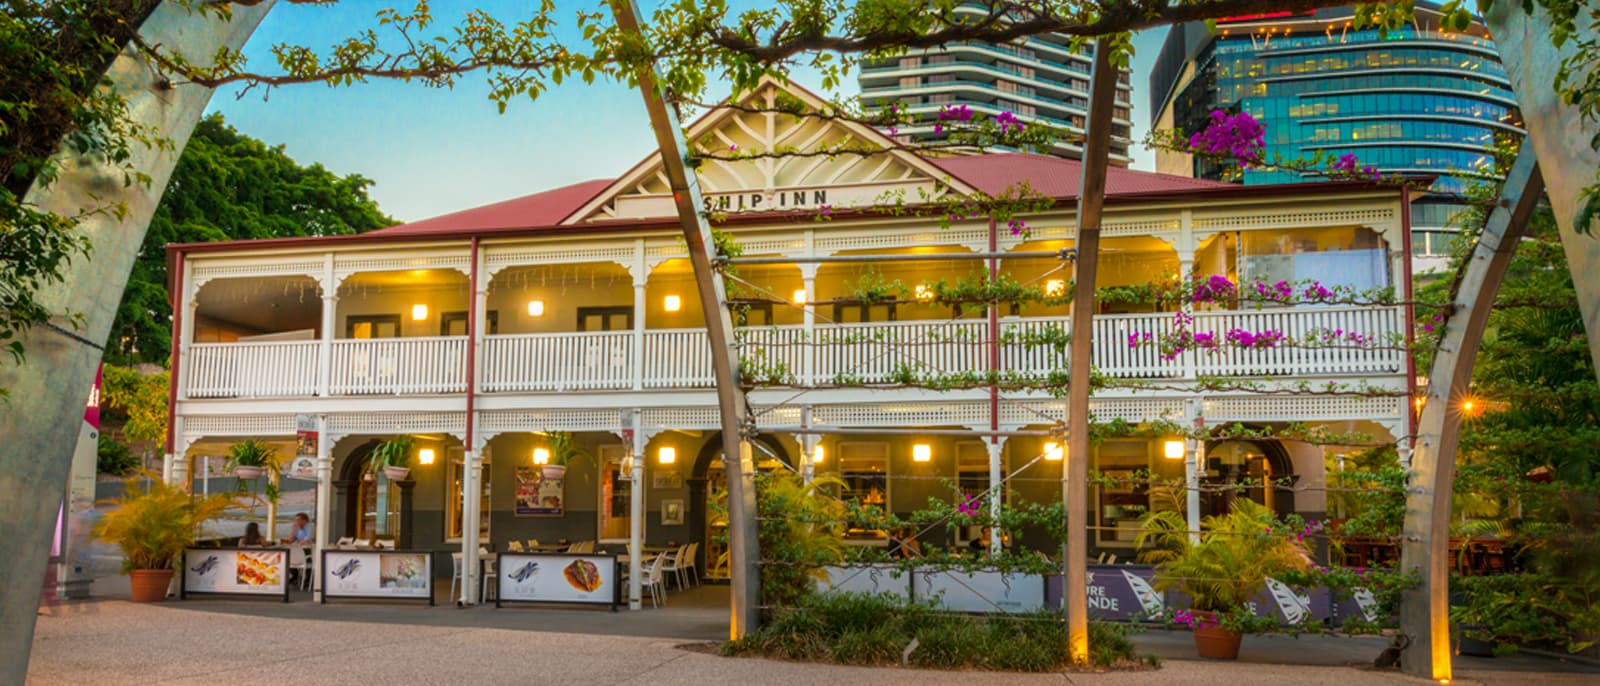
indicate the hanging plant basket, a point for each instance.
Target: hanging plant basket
{"x":396,"y":473}
{"x":248,"y":473}
{"x":553,"y":471}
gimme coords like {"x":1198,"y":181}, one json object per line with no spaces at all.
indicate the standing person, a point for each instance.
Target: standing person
{"x":300,"y":534}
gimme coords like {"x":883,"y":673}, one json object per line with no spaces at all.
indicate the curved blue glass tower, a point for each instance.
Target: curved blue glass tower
{"x":1412,"y":101}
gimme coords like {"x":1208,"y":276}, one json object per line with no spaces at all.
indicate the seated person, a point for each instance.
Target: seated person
{"x":252,"y":537}
{"x":903,"y":544}
{"x":300,"y":533}
{"x":981,"y":543}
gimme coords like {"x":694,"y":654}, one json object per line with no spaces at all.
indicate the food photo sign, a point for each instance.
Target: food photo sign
{"x":556,"y":578}
{"x":377,"y":574}
{"x":233,"y":571}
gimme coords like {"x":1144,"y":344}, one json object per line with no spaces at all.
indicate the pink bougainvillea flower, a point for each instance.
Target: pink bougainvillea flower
{"x":969,"y":505}
{"x":1346,"y":163}
{"x":1237,"y":136}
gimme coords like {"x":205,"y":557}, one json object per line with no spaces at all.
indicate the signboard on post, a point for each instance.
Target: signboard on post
{"x":304,"y":464}
{"x":403,"y":574}
{"x":555,"y":578}
{"x":234,"y":571}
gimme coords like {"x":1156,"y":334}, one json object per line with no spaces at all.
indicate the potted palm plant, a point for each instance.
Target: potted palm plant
{"x":249,"y":459}
{"x":562,"y":452}
{"x":393,"y":457}
{"x":1222,"y":572}
{"x":152,"y":527}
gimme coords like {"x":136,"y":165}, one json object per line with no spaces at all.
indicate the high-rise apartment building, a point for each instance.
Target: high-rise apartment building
{"x":1415,"y":100}
{"x":1040,"y":79}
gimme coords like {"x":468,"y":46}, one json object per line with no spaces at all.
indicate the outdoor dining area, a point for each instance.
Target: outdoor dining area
{"x":671,"y":566}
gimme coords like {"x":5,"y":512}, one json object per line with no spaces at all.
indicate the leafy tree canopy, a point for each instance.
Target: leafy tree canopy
{"x":229,"y":186}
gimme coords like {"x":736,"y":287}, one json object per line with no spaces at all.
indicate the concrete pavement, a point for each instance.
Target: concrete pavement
{"x":262,"y":642}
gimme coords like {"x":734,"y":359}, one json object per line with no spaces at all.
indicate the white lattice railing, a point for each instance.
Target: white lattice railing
{"x":396,"y":366}
{"x":253,"y":370}
{"x":868,"y":353}
{"x":558,"y":362}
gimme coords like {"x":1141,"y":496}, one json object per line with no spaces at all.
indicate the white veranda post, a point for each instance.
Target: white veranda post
{"x":324,"y":498}
{"x":471,"y":498}
{"x":636,"y":508}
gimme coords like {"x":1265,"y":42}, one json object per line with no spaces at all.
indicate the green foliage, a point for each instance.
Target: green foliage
{"x":152,"y":526}
{"x":395,"y":452}
{"x":140,"y":399}
{"x":562,"y":450}
{"x":1231,"y":562}
{"x":253,"y":453}
{"x":229,"y":186}
{"x":864,"y":629}
{"x":800,"y":530}
{"x":113,"y":457}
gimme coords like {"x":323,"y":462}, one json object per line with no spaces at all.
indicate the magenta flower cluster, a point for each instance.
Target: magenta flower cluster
{"x":1017,"y":226}
{"x":1238,"y":136}
{"x":1280,"y":291}
{"x":1347,"y":164}
{"x":958,"y":113}
{"x":1256,"y":339}
{"x":1194,"y":620}
{"x":1008,"y":122}
{"x":1213,"y":288}
{"x":1328,"y":336}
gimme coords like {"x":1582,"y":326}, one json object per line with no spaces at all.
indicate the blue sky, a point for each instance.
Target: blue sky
{"x":436,"y":151}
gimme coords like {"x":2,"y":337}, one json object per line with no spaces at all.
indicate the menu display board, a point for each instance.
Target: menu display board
{"x":556,"y":578}
{"x":874,"y":579}
{"x":377,"y":574}
{"x":236,"y":571}
{"x":981,"y":592}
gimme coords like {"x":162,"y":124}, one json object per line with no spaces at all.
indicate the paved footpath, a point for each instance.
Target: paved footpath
{"x":240,"y":642}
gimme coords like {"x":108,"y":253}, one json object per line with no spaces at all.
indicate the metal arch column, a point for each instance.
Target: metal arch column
{"x":742,"y":544}
{"x":1425,"y":546}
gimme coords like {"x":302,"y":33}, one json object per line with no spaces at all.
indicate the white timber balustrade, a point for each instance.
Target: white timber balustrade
{"x":867,"y":353}
{"x":872,"y":352}
{"x":396,"y":366}
{"x":558,"y":362}
{"x":253,"y":370}
{"x":1338,"y":357}
{"x":677,"y":358}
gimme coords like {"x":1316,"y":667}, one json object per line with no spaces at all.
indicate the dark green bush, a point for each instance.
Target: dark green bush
{"x":113,"y":457}
{"x":861,"y":629}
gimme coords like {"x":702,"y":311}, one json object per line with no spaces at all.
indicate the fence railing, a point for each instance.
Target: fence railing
{"x":857,"y":353}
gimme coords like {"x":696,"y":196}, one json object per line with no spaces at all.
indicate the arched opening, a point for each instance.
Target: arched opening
{"x":708,"y":488}
{"x":372,"y":501}
{"x":1258,"y":470}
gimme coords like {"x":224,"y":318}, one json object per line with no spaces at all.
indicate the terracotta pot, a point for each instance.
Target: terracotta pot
{"x":1215,"y":642}
{"x":396,"y":473}
{"x":150,"y":585}
{"x":248,"y":473}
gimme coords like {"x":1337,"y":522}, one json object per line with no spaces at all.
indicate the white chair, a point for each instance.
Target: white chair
{"x":300,"y":562}
{"x":364,"y":544}
{"x":674,"y":564}
{"x":688,"y":563}
{"x":489,"y":576}
{"x":658,"y":586}
{"x":455,"y":575}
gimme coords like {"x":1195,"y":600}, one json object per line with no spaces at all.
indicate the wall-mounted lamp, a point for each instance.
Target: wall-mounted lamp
{"x":667,"y":455}
{"x":817,"y":454}
{"x":921,"y":452}
{"x":1053,"y":451}
{"x":672,"y":303}
{"x":541,"y":456}
{"x":419,"y":312}
{"x":799,"y":296}
{"x":1055,"y":287}
{"x":425,"y":456}
{"x":535,"y":308}
{"x":1174,"y":450}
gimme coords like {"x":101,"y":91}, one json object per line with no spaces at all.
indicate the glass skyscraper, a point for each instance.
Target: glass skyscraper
{"x":1414,"y":100}
{"x":1041,"y":79}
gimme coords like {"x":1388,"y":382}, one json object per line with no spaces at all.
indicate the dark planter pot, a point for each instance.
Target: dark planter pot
{"x":1472,"y":646}
{"x":1215,"y":642}
{"x":150,"y":585}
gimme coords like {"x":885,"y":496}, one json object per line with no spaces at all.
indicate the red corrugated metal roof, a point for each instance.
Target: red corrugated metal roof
{"x":540,"y":209}
{"x":1058,"y":177}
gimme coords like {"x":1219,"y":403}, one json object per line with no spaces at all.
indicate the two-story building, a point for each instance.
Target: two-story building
{"x":586,"y":321}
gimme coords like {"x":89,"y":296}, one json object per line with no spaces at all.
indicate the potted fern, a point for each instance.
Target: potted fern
{"x":249,"y":459}
{"x":152,"y":528}
{"x":393,"y":457}
{"x":562,"y":452}
{"x":1221,"y":572}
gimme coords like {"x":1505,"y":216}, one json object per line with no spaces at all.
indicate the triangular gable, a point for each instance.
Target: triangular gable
{"x":785,"y":183}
